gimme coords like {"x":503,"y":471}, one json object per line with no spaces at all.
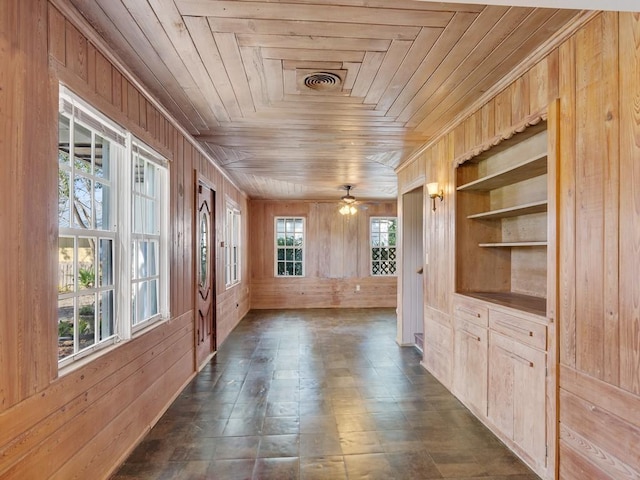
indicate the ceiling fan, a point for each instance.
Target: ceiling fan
{"x":348,"y":206}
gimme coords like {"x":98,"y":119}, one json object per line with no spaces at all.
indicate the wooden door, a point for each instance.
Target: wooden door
{"x":205,"y":304}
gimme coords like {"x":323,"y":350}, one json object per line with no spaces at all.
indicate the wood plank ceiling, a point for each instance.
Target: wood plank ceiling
{"x":296,"y":98}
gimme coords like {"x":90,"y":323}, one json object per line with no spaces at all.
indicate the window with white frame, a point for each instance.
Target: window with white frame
{"x":383,"y":245}
{"x":148,"y":193}
{"x":98,"y":207}
{"x":232,"y":246}
{"x":289,"y":246}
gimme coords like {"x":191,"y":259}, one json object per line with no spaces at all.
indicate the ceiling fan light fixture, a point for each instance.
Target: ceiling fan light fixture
{"x":348,"y":201}
{"x":348,"y":210}
{"x":348,"y":198}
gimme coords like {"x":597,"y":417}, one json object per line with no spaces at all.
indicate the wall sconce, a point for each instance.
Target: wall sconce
{"x":434,"y":192}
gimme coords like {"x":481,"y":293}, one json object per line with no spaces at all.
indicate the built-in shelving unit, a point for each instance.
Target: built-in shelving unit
{"x":501,"y":221}
{"x":512,"y":244}
{"x":514,"y":211}
{"x":532,"y":167}
{"x":505,"y":256}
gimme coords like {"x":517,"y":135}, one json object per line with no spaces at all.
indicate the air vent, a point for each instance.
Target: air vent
{"x":322,"y":81}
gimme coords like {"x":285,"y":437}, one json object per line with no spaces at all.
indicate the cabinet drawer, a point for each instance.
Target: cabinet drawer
{"x":521,"y":329}
{"x":469,"y":331}
{"x":474,"y":312}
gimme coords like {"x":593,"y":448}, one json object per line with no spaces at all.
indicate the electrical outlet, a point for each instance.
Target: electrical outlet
{"x":357,"y":288}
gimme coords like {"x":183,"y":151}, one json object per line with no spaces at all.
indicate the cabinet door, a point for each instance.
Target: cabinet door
{"x":438,"y":350}
{"x":470,"y":364}
{"x":500,"y":400}
{"x":529,"y":423}
{"x":516,"y":400}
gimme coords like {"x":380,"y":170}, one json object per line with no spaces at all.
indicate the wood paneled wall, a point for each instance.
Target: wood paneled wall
{"x":599,"y":254}
{"x":596,"y":75}
{"x":336,"y":258}
{"x":83,"y":423}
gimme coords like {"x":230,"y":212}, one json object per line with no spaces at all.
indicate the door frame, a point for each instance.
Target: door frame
{"x":413,"y":263}
{"x":201,"y":181}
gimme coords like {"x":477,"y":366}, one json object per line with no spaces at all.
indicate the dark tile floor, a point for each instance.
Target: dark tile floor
{"x":319,"y":395}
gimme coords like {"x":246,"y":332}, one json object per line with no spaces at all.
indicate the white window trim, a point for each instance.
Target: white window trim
{"x":229,"y":231}
{"x":275,"y":242}
{"x":83,"y":113}
{"x":163,"y":237}
{"x":371,"y":246}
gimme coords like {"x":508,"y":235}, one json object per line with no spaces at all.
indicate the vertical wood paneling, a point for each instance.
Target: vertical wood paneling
{"x":567,"y":204}
{"x":27,"y":301}
{"x":178,"y":268}
{"x":86,"y":420}
{"x":538,"y":79}
{"x":438,"y":232}
{"x":338,"y":245}
{"x":488,"y":121}
{"x":188,"y":215}
{"x":133,"y":107}
{"x":630,"y":202}
{"x":57,"y":42}
{"x":458,"y":135}
{"x":76,"y":51}
{"x":596,"y":318}
{"x":611,"y":189}
{"x":91,"y":67}
{"x":588,"y":142}
{"x":589,"y":201}
{"x":470,"y":140}
{"x":553,"y":221}
{"x":520,"y":99}
{"x":104,"y":77}
{"x":553,"y":63}
{"x":142,"y":113}
{"x":596,"y":99}
{"x":116,"y":87}
{"x":503,"y":110}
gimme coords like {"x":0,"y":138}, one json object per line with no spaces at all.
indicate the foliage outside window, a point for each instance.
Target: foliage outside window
{"x":383,"y":245}
{"x":289,"y":233}
{"x":232,"y":246}
{"x":95,"y":231}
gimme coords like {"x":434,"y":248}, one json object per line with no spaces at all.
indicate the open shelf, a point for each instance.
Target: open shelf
{"x":526,"y":303}
{"x":515,"y":211}
{"x":502,"y":203}
{"x":530,"y":168}
{"x":512,"y":244}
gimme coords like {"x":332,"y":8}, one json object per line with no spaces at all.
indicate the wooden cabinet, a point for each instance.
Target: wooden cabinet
{"x":437,"y":355}
{"x":470,"y":351}
{"x":499,"y":373}
{"x":516,"y":400}
{"x":501,"y":222}
{"x":470,"y":320}
{"x":505,"y":267}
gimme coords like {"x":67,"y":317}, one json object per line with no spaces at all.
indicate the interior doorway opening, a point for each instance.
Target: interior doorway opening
{"x":413,"y":268}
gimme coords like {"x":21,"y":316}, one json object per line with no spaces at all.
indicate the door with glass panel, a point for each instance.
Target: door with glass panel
{"x":205,"y":273}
